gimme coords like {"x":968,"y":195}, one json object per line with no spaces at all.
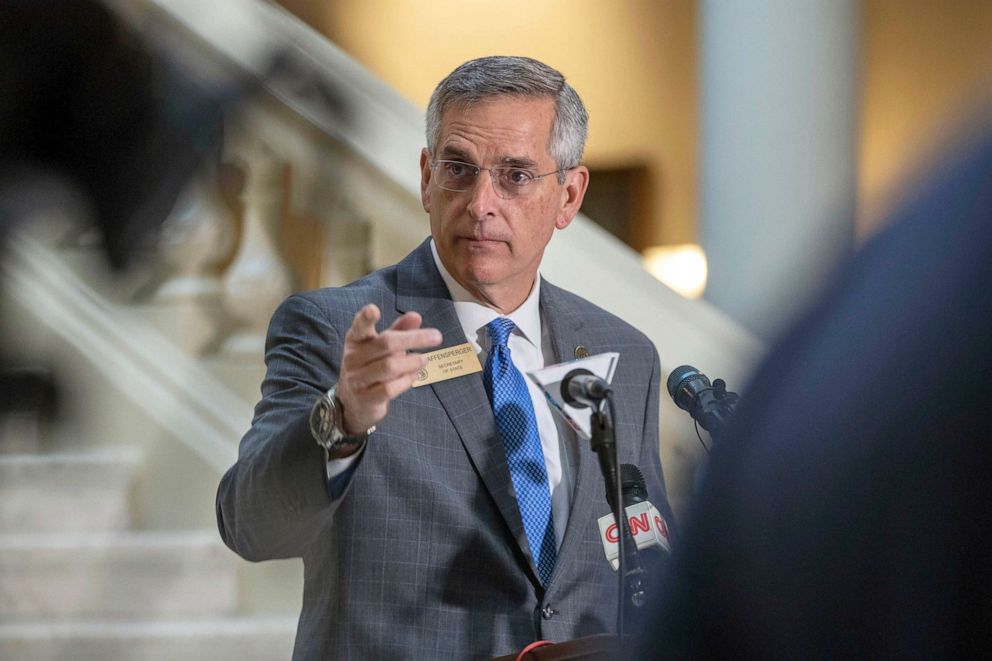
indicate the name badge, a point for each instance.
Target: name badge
{"x":448,"y":363}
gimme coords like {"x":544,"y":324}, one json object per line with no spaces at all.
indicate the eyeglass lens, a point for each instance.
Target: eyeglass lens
{"x":507,"y":182}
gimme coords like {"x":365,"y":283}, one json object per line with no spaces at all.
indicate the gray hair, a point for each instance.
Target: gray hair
{"x":497,"y":75}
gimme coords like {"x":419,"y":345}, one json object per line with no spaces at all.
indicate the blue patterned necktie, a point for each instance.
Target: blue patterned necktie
{"x":517,"y":426}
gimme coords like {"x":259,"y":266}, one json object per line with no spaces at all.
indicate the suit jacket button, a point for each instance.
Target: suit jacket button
{"x":547,"y":613}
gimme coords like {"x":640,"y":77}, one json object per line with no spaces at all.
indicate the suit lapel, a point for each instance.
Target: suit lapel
{"x":420,"y":288}
{"x":565,"y":325}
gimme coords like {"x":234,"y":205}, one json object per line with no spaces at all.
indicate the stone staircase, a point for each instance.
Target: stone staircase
{"x":78,"y":582}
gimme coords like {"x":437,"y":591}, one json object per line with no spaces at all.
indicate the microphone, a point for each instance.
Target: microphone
{"x":581,"y":388}
{"x":709,"y":404}
{"x":647,"y":526}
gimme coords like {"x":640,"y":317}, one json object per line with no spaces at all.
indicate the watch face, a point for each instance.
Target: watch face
{"x":322,"y":421}
{"x":325,"y":426}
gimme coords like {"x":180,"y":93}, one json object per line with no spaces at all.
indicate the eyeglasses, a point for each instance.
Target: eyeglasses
{"x":508,"y":182}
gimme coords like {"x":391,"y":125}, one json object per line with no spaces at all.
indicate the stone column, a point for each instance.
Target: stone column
{"x":778,"y":151}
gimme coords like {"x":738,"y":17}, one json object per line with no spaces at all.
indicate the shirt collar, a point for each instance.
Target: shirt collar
{"x":473,"y":315}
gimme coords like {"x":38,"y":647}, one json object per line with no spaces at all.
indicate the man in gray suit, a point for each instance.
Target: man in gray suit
{"x":426,"y":526}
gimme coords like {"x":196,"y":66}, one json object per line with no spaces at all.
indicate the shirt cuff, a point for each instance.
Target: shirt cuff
{"x":339,"y":472}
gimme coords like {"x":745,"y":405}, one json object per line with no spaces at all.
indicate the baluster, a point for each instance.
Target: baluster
{"x":183,"y":299}
{"x":346,"y":253}
{"x":195,"y":239}
{"x":258,"y":279}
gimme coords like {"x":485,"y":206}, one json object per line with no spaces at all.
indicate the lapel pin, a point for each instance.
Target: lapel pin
{"x":581,"y":352}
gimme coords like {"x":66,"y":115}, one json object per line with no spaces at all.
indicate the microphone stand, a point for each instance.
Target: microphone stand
{"x":630,"y":574}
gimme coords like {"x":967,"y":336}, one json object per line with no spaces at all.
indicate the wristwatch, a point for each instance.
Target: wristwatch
{"x":327,"y":427}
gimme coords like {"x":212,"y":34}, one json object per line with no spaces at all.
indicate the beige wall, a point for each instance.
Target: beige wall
{"x":633,"y":62}
{"x":926,"y":63}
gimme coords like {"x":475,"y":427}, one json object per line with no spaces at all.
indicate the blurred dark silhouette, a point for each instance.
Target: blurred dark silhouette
{"x":92,"y":120}
{"x":848,"y":511}
{"x":86,"y":103}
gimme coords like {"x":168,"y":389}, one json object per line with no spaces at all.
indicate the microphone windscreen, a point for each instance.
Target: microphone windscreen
{"x":571,"y":392}
{"x":632,"y":483}
{"x":685,"y":384}
{"x":678,"y":375}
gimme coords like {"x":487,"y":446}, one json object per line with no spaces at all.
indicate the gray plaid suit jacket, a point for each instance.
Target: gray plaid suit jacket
{"x":424,"y":555}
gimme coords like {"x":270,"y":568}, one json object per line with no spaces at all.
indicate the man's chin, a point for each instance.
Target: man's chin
{"x":484,"y":275}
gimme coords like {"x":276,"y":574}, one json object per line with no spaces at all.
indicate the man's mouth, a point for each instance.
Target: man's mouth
{"x":482,"y":240}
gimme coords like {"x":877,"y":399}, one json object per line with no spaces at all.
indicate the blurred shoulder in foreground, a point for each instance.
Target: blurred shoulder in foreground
{"x":847,"y":513}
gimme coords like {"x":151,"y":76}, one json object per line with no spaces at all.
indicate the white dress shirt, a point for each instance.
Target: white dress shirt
{"x":530,"y":349}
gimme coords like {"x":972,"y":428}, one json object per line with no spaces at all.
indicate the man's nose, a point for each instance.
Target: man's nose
{"x":483,"y":196}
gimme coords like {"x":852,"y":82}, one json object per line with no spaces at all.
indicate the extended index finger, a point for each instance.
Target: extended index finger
{"x":363,"y":325}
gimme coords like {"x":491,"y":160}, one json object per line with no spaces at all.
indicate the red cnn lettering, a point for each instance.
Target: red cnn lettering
{"x":611,"y":534}
{"x":639,"y":523}
{"x":662,"y":527}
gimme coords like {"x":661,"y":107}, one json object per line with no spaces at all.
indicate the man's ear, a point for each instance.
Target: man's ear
{"x":576,"y":182}
{"x":425,"y":179}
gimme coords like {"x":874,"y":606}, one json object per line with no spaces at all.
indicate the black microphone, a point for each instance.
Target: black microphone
{"x":632,"y":485}
{"x":582,"y":388}
{"x":655,"y":547}
{"x":647,"y":526}
{"x":709,"y":404}
{"x":685,"y":384}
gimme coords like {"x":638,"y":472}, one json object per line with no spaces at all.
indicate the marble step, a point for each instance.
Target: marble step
{"x":67,"y":492}
{"x":119,"y":574}
{"x":204,"y":639}
{"x":19,"y":433}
